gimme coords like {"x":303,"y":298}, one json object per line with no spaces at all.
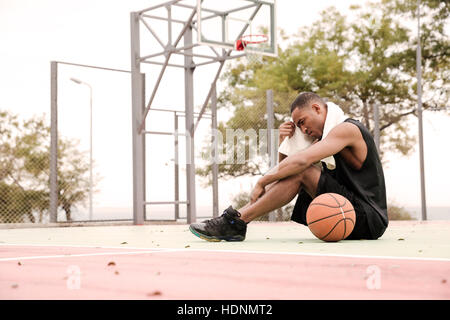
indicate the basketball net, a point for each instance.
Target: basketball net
{"x":250,"y":43}
{"x":251,"y":56}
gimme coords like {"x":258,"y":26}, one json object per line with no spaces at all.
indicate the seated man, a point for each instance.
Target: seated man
{"x":358,"y":176}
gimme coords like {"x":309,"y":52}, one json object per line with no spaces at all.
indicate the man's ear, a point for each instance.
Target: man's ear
{"x":316,"y":108}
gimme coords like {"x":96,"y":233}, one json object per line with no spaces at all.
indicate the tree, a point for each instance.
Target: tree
{"x":356,"y":64}
{"x":25,"y":168}
{"x":23,"y":157}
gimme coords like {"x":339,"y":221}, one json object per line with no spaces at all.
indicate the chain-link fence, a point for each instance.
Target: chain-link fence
{"x":248,"y":147}
{"x":93,"y":167}
{"x":94,"y":172}
{"x":24,"y":168}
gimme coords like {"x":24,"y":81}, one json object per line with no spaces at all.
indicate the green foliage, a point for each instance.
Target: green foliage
{"x":356,"y":64}
{"x":25,"y":170}
{"x":398,"y":213}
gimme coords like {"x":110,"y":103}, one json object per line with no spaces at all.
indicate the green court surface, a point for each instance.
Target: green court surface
{"x":416,"y":239}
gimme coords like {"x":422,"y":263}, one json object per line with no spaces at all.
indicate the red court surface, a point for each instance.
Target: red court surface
{"x":72,"y":272}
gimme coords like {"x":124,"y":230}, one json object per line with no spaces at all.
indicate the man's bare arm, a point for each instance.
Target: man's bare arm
{"x":339,"y":137}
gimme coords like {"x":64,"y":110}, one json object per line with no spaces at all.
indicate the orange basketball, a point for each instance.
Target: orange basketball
{"x":331,"y":217}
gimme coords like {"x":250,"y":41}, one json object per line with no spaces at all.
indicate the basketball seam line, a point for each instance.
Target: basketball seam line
{"x":331,"y":216}
{"x":323,"y":204}
{"x":332,"y":230}
{"x":331,"y":195}
{"x":323,"y":239}
{"x":345,"y":223}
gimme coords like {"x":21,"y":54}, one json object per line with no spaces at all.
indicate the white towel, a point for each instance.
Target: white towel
{"x":300,"y":141}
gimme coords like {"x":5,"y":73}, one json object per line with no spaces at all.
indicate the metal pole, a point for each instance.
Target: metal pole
{"x":376,"y":129}
{"x":177,"y":177}
{"x":215,"y":158}
{"x":90,"y":155}
{"x":270,"y":138}
{"x":54,"y":142}
{"x":419,"y":113}
{"x":137,"y":99}
{"x":270,"y":128}
{"x":189,"y":120}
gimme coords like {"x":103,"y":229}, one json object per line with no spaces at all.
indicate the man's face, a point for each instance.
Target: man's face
{"x":310,"y":119}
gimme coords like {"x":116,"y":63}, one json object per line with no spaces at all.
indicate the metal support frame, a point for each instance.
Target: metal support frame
{"x":215,"y":153}
{"x":189,"y":122}
{"x":54,"y":142}
{"x":376,"y":128}
{"x":138,"y":137}
{"x":271,"y":146}
{"x":176,"y":115}
{"x":54,"y":191}
{"x":176,"y":168}
{"x":141,"y":110}
{"x":225,"y":55}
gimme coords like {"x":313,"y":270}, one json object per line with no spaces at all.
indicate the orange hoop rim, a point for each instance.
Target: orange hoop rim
{"x":264,"y":38}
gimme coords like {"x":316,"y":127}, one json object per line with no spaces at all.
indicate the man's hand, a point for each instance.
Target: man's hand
{"x":286,"y":129}
{"x":257,"y":192}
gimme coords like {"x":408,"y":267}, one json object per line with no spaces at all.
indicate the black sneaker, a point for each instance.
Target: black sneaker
{"x":228,"y":227}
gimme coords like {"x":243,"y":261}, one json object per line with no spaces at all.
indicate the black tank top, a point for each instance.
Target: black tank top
{"x":366,"y":183}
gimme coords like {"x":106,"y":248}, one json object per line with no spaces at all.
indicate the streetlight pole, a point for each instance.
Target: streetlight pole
{"x":419,"y":114}
{"x":90,"y":143}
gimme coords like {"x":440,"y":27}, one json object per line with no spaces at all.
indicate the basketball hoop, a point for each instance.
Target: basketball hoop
{"x":249,"y":44}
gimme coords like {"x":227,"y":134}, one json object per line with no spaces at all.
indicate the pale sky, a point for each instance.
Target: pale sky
{"x":96,"y":32}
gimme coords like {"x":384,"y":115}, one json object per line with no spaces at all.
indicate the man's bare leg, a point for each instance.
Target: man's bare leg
{"x":281,"y":193}
{"x":267,"y":188}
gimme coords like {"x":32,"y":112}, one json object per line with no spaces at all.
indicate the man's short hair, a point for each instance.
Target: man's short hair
{"x":306,"y":98}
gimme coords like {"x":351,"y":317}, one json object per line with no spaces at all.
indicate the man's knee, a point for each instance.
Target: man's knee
{"x":310,"y":179}
{"x":311,"y":173}
{"x":303,"y":178}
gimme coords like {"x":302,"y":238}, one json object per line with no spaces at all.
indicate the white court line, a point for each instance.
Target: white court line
{"x":124,"y":247}
{"x":85,"y":255}
{"x":155,"y":250}
{"x":328,"y":255}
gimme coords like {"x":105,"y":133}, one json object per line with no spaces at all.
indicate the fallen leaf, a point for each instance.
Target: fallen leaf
{"x":116,"y":272}
{"x":111,"y":263}
{"x":154,"y":293}
{"x":443,"y":281}
{"x":188,"y":246}
{"x":267,"y":238}
{"x":124,"y":242}
{"x":15,"y":286}
{"x":300,"y":242}
{"x":19,"y":263}
{"x":400,"y":239}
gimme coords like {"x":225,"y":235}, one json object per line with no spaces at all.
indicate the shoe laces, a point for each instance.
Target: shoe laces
{"x":214,"y":222}
{"x":225,"y":216}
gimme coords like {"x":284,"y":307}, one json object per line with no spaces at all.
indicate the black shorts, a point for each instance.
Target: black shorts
{"x":364,"y":213}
